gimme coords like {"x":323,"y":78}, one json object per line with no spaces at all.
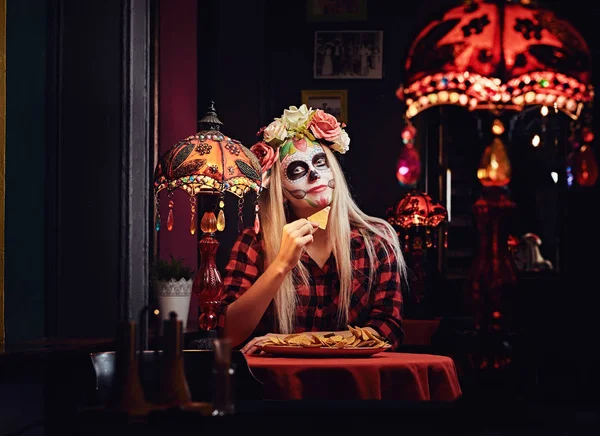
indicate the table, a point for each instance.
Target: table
{"x":384,"y":376}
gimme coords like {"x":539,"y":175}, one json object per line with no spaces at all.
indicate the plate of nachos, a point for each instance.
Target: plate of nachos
{"x":317,"y":344}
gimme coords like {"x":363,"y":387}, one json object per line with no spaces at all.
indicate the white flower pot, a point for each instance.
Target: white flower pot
{"x":174,"y":296}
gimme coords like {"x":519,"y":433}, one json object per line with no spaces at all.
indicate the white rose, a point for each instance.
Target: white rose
{"x":295,"y":117}
{"x":342,"y":144}
{"x":275,"y":131}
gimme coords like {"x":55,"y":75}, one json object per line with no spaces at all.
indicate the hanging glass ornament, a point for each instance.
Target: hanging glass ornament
{"x":192,"y":215}
{"x":256,"y":219}
{"x":170,"y":218}
{"x":497,"y":127}
{"x":157,"y":213}
{"x":221,"y":216}
{"x":494,"y":167}
{"x":587,"y":135}
{"x":408,"y":133}
{"x":585,"y":167}
{"x":408,"y":166}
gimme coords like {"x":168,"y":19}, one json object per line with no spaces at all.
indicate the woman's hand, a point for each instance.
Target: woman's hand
{"x":253,"y":344}
{"x":296,"y":235}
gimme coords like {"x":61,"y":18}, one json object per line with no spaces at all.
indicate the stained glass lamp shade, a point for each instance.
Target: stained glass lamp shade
{"x":486,"y":54}
{"x":207,"y":162}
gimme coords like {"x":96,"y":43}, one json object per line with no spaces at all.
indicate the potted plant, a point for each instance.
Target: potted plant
{"x":173,"y":283}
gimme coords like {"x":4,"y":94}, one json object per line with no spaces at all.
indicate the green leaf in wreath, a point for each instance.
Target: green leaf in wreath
{"x":247,"y":170}
{"x":304,"y":131}
{"x":287,"y":148}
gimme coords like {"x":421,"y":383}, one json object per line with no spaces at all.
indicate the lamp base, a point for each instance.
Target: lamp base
{"x":201,"y":340}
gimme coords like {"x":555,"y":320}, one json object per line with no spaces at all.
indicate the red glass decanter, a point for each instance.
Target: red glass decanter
{"x":491,"y":285}
{"x":492,"y":279}
{"x":208,"y":285}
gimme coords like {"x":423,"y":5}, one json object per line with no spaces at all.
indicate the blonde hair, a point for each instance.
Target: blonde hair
{"x":273,"y":218}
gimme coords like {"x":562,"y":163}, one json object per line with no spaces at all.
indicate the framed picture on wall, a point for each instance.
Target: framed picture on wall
{"x":336,"y":10}
{"x":332,"y":101}
{"x":348,"y":54}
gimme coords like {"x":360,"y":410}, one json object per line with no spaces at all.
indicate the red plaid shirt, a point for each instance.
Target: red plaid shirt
{"x":379,"y":307}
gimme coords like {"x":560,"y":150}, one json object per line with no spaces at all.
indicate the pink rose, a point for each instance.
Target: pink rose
{"x":265,"y":154}
{"x":325,"y":126}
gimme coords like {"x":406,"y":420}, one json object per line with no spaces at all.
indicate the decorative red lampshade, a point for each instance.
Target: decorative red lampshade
{"x":504,"y":53}
{"x":417,"y":219}
{"x":417,"y":208}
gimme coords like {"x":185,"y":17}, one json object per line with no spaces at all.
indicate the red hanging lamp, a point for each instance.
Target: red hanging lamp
{"x":493,"y":54}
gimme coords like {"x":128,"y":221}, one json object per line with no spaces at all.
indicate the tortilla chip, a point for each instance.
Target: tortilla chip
{"x":321,"y":217}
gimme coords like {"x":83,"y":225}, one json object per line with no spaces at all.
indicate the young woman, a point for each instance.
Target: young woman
{"x":294,"y":276}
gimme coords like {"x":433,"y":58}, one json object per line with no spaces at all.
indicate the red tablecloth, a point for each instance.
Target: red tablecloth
{"x":385,"y":376}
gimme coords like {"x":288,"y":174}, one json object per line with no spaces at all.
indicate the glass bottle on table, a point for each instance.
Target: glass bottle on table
{"x":174,"y":390}
{"x":223,"y":378}
{"x":127,"y":394}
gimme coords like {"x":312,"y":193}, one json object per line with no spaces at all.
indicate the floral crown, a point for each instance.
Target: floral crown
{"x":298,"y":122}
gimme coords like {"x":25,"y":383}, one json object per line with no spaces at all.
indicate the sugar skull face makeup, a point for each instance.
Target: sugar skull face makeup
{"x":307,"y":179}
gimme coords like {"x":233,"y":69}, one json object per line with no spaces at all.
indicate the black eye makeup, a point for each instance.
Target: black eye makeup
{"x":319,"y":160}
{"x":296,"y":170}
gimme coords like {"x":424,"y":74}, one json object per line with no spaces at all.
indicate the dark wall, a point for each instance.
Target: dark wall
{"x":25,"y":170}
{"x":88,"y":145}
{"x":177,"y":75}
